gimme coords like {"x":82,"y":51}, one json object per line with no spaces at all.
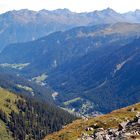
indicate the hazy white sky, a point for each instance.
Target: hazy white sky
{"x":73,"y":5}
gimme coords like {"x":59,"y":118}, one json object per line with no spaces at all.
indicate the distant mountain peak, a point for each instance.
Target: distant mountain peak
{"x":62,"y":11}
{"x":57,"y":11}
{"x":137,"y":11}
{"x":108,"y":10}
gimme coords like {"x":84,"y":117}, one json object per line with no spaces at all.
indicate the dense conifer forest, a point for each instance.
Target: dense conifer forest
{"x":35,"y":120}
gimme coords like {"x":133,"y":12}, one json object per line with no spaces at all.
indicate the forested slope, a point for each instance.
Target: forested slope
{"x":24,"y":118}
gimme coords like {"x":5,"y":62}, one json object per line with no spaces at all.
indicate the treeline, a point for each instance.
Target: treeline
{"x":35,"y":120}
{"x":10,"y":81}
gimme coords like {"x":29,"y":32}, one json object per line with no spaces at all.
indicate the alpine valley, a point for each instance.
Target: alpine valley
{"x":58,"y":66}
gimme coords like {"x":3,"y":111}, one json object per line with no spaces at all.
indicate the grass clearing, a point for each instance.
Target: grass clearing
{"x":72,"y":101}
{"x":40,"y":79}
{"x":14,"y":66}
{"x":25,"y":88}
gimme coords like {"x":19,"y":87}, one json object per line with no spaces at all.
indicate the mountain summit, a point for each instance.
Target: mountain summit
{"x":34,"y":25}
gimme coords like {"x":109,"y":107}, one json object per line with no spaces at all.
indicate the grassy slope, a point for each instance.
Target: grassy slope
{"x":111,"y":120}
{"x":7,"y":107}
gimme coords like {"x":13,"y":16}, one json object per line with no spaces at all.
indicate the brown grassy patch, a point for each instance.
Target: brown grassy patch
{"x":111,"y":120}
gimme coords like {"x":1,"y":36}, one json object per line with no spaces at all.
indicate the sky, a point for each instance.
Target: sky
{"x":120,"y":6}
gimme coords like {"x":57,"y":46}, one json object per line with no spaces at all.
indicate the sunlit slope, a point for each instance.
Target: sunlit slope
{"x":7,"y":104}
{"x":111,"y":120}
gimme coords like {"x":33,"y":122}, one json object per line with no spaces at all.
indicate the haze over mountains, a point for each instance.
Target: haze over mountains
{"x":82,"y":63}
{"x":85,"y":63}
{"x":25,"y":25}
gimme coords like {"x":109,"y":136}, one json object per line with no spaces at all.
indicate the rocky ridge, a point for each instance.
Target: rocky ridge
{"x":127,"y":130}
{"x":121,"y":124}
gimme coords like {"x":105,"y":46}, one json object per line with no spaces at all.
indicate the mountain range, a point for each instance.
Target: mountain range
{"x":83,"y":65}
{"x":26,"y":25}
{"x":58,"y":66}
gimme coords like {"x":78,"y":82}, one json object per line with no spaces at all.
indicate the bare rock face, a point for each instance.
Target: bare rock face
{"x":128,"y":130}
{"x":89,"y":129}
{"x":138,"y":121}
{"x":133,"y":109}
{"x":122,"y":125}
